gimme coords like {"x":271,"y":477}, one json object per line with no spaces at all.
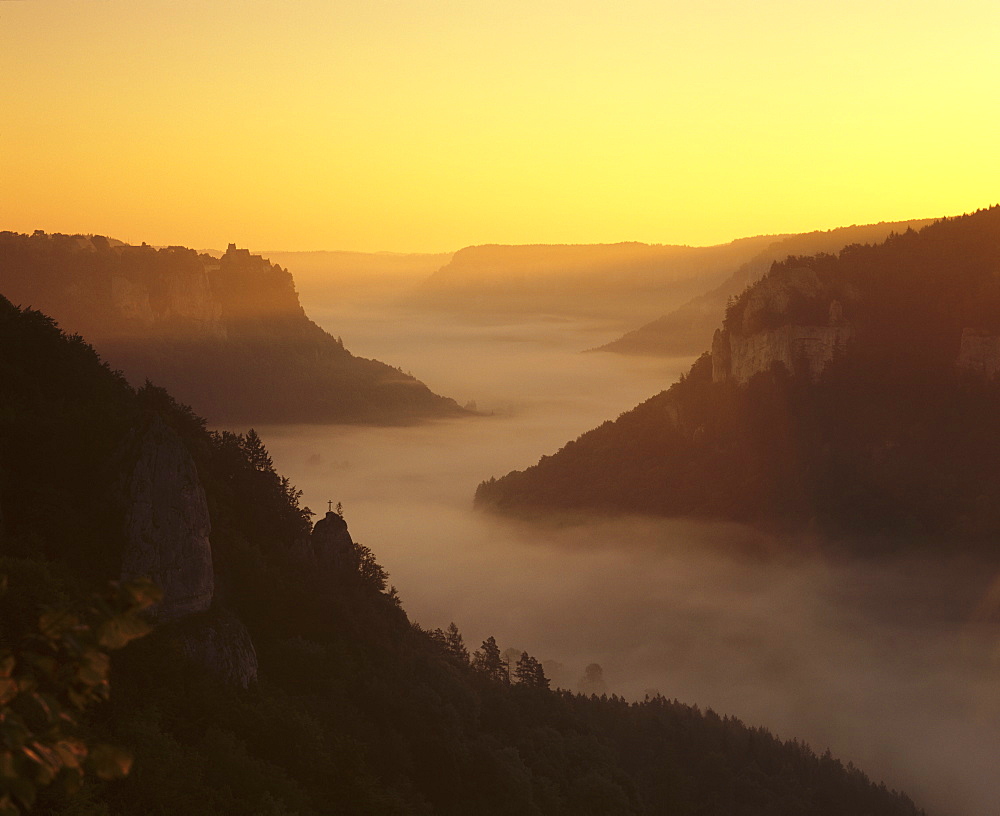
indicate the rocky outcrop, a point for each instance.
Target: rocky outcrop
{"x":167,"y":530}
{"x":221,"y":645}
{"x":167,"y":525}
{"x":184,"y":301}
{"x":979,"y":352}
{"x":136,"y":292}
{"x":198,"y":298}
{"x":806,"y":349}
{"x":800,"y":349}
{"x":330,"y":547}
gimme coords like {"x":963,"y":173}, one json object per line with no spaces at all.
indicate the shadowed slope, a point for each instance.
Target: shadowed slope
{"x":855,"y":392}
{"x":226,"y":335}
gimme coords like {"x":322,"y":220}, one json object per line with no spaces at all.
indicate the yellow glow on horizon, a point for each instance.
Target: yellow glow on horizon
{"x":427,"y":126}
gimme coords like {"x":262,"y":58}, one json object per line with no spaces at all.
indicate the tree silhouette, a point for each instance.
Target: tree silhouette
{"x":529,"y":672}
{"x":257,"y":454}
{"x":454,"y":643}
{"x":489,"y":662}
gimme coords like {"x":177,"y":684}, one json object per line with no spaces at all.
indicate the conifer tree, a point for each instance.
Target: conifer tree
{"x":529,"y":672}
{"x":488,"y":661}
{"x":454,"y":644}
{"x":256,"y":453}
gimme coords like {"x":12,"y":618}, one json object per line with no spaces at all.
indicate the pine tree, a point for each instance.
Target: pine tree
{"x":488,"y":661}
{"x":454,"y":644}
{"x":529,"y":672}
{"x":256,"y":453}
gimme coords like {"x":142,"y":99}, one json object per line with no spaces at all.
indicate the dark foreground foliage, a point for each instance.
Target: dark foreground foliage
{"x":356,"y":710}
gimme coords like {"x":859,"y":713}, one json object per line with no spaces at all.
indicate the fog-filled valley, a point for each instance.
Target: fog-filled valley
{"x":890,"y":662}
{"x":477,"y":409}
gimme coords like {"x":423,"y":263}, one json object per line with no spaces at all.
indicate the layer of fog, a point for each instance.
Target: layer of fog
{"x":878,"y":660}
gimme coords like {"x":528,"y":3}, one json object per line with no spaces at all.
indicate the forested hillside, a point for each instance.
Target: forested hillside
{"x":688,"y":329}
{"x":853,"y":393}
{"x":226,"y":335}
{"x":298,"y":685}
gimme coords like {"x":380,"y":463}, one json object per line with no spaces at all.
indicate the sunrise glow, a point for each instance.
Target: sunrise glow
{"x":427,"y":126}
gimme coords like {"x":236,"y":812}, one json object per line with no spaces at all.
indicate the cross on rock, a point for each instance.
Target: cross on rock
{"x":329,"y":505}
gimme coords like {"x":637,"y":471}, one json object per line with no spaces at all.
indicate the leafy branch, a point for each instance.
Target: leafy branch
{"x":48,"y":681}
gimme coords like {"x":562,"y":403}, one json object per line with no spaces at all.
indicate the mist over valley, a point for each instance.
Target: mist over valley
{"x":884,"y":660}
{"x":482,"y":409}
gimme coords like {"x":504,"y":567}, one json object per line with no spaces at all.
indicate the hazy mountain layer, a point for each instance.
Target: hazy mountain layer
{"x":688,"y":329}
{"x":303,"y":688}
{"x":855,"y":393}
{"x":329,"y":278}
{"x":620,"y":281}
{"x":226,"y":335}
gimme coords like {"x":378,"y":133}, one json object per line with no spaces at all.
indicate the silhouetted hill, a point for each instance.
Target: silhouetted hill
{"x":688,"y":329}
{"x":854,"y":393}
{"x":283,"y":676}
{"x":616,"y":281}
{"x":225,"y":334}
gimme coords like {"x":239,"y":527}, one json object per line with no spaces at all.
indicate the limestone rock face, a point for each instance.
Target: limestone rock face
{"x":767,"y":331}
{"x":131,"y":300}
{"x":221,"y":645}
{"x":798,"y":348}
{"x":167,"y":525}
{"x":183,"y":303}
{"x":979,"y":352}
{"x":722,"y":358}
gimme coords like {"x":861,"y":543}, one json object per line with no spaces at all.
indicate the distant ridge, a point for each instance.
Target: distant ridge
{"x":617,"y":281}
{"x":226,"y":335}
{"x":688,"y":329}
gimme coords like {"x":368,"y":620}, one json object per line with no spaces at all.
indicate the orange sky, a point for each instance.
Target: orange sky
{"x":414,"y":125}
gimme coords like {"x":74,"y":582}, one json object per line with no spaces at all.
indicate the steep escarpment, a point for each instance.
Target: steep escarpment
{"x":763,"y":336}
{"x":853,"y":393}
{"x":226,"y":335}
{"x":356,"y":709}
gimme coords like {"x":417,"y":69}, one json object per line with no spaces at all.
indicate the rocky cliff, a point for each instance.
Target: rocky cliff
{"x":167,"y":530}
{"x":226,"y":335}
{"x":329,"y":547}
{"x":121,"y":291}
{"x":766,"y":332}
{"x":187,"y":300}
{"x":167,"y":526}
{"x":806,"y":349}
